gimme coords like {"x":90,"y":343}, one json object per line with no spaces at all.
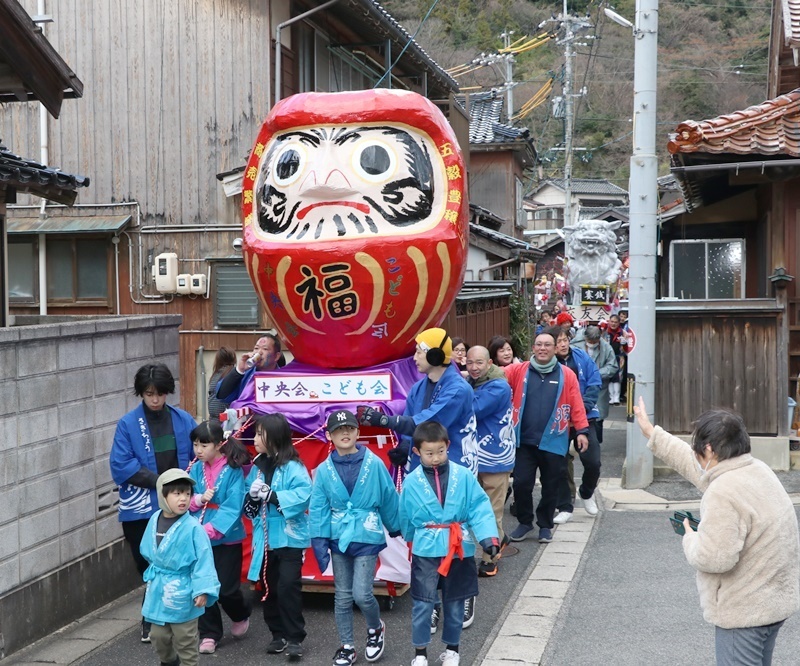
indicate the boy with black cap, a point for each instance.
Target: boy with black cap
{"x":181,"y":579}
{"x":352,"y":499}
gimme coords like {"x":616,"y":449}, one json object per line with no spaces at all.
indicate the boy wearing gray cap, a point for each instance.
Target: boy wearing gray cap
{"x":352,"y":499}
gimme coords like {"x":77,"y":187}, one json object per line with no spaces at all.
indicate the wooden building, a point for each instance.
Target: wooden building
{"x":176,"y":91}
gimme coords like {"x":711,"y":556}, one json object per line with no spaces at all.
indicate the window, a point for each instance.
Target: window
{"x":235,"y":299}
{"x":707,"y":269}
{"x":77,"y":270}
{"x":22,"y":271}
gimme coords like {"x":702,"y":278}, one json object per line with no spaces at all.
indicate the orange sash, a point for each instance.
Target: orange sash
{"x":455,"y":545}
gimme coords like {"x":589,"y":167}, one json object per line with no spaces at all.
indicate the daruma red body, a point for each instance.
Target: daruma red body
{"x":355,"y":223}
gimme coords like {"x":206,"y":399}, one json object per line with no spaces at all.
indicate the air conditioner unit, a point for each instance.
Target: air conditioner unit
{"x":165,"y":272}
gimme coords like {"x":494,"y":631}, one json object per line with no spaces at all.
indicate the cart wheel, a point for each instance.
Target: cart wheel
{"x":388,"y":603}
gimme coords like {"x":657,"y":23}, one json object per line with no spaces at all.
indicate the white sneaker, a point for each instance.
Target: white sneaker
{"x":591,"y":506}
{"x":449,"y":658}
{"x":420,"y":661}
{"x":562,"y":517}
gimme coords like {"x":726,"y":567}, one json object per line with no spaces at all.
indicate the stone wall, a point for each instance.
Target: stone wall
{"x":63,"y":386}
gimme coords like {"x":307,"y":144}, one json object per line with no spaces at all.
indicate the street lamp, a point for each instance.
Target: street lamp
{"x":643,"y":194}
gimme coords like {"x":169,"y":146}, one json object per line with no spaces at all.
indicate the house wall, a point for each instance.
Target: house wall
{"x":63,"y":387}
{"x":491,"y":185}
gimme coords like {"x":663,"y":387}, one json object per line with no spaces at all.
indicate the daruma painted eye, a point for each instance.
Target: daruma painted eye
{"x":374,"y":161}
{"x":355,"y":223}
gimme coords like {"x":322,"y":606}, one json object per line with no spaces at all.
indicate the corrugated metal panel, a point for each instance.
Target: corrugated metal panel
{"x":68,"y":225}
{"x":235,"y":300}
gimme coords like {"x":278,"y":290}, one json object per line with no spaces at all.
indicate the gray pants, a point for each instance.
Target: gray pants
{"x":750,"y":646}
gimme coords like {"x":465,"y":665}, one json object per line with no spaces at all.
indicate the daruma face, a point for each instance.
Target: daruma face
{"x":355,"y":223}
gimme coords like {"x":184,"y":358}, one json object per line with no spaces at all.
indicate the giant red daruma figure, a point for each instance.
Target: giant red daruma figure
{"x":355,"y":223}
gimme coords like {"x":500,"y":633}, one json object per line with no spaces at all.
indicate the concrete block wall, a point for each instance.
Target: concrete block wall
{"x":63,"y":387}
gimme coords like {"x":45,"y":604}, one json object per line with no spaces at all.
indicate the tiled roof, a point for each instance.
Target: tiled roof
{"x":587,"y":186}
{"x":791,"y":22}
{"x":503,"y":239}
{"x":621,"y":213}
{"x":769,"y":128}
{"x":485,"y":110}
{"x":29,"y":176}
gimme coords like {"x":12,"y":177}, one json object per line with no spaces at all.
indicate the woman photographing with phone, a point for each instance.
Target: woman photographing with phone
{"x":745,"y":550}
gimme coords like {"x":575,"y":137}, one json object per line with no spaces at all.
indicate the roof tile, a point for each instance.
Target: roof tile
{"x":769,"y":128}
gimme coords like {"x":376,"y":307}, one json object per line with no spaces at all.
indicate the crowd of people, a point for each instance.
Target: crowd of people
{"x":479,"y":421}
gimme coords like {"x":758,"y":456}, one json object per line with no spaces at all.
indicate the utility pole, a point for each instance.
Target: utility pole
{"x":643,"y":190}
{"x":568,"y":116}
{"x":509,"y":57}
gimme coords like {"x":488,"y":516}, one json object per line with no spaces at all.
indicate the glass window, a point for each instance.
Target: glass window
{"x":22,"y":270}
{"x":77,"y":269}
{"x":707,"y":269}
{"x":59,"y":269}
{"x":92,"y":269}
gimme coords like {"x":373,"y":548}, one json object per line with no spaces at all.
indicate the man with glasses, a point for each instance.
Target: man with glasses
{"x":546,"y":400}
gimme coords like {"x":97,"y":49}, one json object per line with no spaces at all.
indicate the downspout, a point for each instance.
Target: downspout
{"x":44,"y":158}
{"x":278,"y":52}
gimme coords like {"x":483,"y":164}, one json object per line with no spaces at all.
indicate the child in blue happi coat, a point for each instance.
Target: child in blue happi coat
{"x":353,"y":498}
{"x":440,"y":504}
{"x":180,"y":578}
{"x":276,"y":502}
{"x":217,"y":504}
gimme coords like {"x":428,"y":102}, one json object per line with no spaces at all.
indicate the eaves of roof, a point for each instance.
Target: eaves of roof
{"x":584,"y":186}
{"x":791,"y":22}
{"x":502,"y":239}
{"x":769,"y":128}
{"x":373,"y":14}
{"x":29,"y":176}
{"x":35,"y":71}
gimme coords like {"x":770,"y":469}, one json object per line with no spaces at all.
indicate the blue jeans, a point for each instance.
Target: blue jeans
{"x":749,"y":646}
{"x":452,"y":621}
{"x":352,"y":579}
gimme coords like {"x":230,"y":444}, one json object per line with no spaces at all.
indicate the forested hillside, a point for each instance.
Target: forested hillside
{"x":712,"y":60}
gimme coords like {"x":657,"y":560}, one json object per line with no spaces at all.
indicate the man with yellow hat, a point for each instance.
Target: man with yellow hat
{"x":442,"y":396}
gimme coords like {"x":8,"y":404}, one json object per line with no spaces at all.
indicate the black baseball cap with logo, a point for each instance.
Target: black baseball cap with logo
{"x":340,"y":418}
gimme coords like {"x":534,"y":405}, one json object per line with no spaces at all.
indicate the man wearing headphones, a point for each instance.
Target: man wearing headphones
{"x":442,"y":396}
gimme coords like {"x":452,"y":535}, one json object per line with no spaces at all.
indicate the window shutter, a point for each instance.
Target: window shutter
{"x":235,"y":301}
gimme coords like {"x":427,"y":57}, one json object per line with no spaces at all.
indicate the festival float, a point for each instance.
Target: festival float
{"x":355,"y":237}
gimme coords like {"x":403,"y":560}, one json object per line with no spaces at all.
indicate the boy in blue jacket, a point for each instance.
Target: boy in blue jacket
{"x":352,"y":500}
{"x":181,"y":579}
{"x":441,"y":505}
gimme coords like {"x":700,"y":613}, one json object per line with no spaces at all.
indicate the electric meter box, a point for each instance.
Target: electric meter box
{"x":184,"y":283}
{"x":165,"y":272}
{"x":198,"y":283}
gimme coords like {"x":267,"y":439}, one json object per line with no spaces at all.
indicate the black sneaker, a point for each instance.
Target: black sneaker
{"x":277,"y":646}
{"x":294,"y":651}
{"x":435,"y":615}
{"x":345,"y":656}
{"x":145,"y":631}
{"x":487,"y":569}
{"x":374,"y":648}
{"x":469,"y":612}
{"x":177,"y":662}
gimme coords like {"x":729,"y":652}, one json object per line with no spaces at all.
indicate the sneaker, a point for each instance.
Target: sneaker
{"x":563,"y":517}
{"x":487,"y":569}
{"x":345,"y":656}
{"x":374,"y":649}
{"x":590,"y":505}
{"x":419,"y":661}
{"x":145,"y":631}
{"x":177,"y":662}
{"x":294,"y":651}
{"x":545,"y":535}
{"x":469,"y":612}
{"x":435,"y":615}
{"x":449,"y":658}
{"x":239,"y":629}
{"x":520,"y":532}
{"x":208,"y":646}
{"x":277,"y":646}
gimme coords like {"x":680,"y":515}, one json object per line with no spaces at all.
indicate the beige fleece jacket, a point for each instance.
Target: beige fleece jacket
{"x":746,"y":550}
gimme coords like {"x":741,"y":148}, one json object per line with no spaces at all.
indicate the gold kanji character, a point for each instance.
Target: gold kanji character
{"x":451,"y":216}
{"x":251,"y":174}
{"x":454,"y":196}
{"x":259,"y":149}
{"x":446,"y":149}
{"x":453,"y":172}
{"x":247,"y":196}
